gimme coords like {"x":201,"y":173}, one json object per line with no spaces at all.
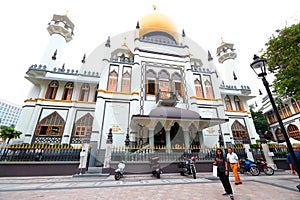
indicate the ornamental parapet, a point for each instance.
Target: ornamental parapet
{"x":43,"y":68}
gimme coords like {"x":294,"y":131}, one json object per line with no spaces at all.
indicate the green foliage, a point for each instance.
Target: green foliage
{"x":10,"y":133}
{"x":283,"y":56}
{"x":259,"y":121}
{"x":280,"y":154}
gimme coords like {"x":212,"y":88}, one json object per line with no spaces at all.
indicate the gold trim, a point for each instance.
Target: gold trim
{"x":55,"y":100}
{"x":112,"y":92}
{"x":205,"y":99}
{"x":30,"y":100}
{"x":243,"y":111}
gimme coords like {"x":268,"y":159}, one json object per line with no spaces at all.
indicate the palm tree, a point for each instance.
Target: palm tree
{"x":9,"y":133}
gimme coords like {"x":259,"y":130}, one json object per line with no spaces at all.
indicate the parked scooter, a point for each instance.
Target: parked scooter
{"x":264,"y":167}
{"x":248,"y":166}
{"x":188,"y":167}
{"x":119,"y":173}
{"x":155,"y":167}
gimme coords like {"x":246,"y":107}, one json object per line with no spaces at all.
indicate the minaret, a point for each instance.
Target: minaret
{"x":229,"y":72}
{"x":61,"y":31}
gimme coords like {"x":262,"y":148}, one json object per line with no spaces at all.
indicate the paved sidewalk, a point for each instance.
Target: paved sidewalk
{"x":281,"y":186}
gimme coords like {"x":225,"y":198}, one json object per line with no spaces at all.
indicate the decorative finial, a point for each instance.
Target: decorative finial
{"x":210,"y":58}
{"x":154,"y":7}
{"x":83,"y":59}
{"x":67,"y":12}
{"x":222,"y":41}
{"x":137,"y":25}
{"x":107,"y":44}
{"x":234,"y":76}
{"x":255,"y":57}
{"x":124,"y":43}
{"x":183,"y":33}
{"x":259,"y":91}
{"x":54,"y":55}
{"x":63,"y":67}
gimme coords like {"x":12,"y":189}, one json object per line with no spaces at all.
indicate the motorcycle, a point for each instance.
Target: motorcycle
{"x":119,"y":173}
{"x":248,"y":166}
{"x":155,"y":167}
{"x":264,"y":167}
{"x":188,"y":167}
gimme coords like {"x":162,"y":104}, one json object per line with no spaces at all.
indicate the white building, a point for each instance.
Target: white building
{"x":158,"y":86}
{"x":9,"y":113}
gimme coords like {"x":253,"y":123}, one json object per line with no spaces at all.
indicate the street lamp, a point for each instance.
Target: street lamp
{"x":259,"y":67}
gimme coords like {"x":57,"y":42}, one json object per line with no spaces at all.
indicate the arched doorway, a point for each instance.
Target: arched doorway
{"x":159,"y":135}
{"x":279,"y":135}
{"x":239,"y":133}
{"x":294,"y":131}
{"x":176,"y":135}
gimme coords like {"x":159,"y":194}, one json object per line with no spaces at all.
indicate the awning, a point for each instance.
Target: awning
{"x":169,"y":115}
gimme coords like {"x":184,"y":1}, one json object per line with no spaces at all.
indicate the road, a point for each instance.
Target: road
{"x":143,"y":187}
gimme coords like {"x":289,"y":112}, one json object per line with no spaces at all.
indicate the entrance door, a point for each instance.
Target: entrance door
{"x":176,"y":135}
{"x":159,"y":135}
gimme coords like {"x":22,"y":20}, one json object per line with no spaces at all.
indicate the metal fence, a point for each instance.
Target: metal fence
{"x":40,"y":153}
{"x":168,"y":155}
{"x":279,"y":151}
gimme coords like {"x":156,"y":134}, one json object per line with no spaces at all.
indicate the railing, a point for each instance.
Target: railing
{"x":26,"y":152}
{"x":166,"y":98}
{"x":279,"y":151}
{"x":173,"y":154}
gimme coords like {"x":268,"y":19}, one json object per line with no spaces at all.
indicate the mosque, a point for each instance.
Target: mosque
{"x":152,"y":83}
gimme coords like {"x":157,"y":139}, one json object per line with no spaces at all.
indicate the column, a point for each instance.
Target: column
{"x":268,"y":158}
{"x":168,"y":141}
{"x":151,"y":139}
{"x":66,"y":139}
{"x":248,"y":152}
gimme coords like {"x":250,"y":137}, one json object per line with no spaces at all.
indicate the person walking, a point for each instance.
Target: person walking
{"x":291,"y":163}
{"x":223,"y":173}
{"x":233,"y":159}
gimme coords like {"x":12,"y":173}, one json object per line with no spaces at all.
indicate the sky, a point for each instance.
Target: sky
{"x":24,"y":38}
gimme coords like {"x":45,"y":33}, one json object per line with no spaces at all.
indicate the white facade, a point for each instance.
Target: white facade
{"x":289,"y":112}
{"x":152,"y":83}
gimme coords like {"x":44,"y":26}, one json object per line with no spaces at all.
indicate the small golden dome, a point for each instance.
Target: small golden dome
{"x":157,"y":22}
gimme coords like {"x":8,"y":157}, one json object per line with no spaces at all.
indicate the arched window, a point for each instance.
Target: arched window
{"x":84,"y":93}
{"x":294,"y":131}
{"x":112,"y":81}
{"x":126,"y":82}
{"x":228,"y":103}
{"x":83,"y":125}
{"x":208,"y":90}
{"x":164,"y":83}
{"x":295,"y":106}
{"x":52,"y":125}
{"x":96,"y":93}
{"x":239,"y":133}
{"x":198,"y":87}
{"x":151,"y":82}
{"x":238,"y":103}
{"x":176,"y":85}
{"x":68,"y":90}
{"x":51,"y":90}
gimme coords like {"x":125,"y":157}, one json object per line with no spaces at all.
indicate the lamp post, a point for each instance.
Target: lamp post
{"x":259,"y":67}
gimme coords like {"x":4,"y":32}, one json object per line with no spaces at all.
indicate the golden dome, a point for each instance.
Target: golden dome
{"x":157,"y":22}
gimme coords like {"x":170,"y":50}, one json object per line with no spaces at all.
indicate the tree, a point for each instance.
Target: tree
{"x":9,"y":133}
{"x":283,"y":57}
{"x":259,"y":121}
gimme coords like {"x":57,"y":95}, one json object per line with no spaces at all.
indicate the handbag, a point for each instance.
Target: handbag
{"x":215,"y":170}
